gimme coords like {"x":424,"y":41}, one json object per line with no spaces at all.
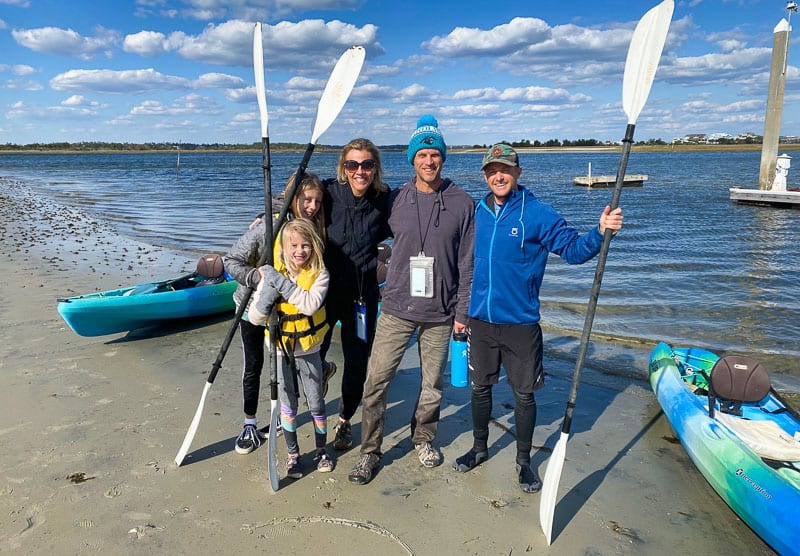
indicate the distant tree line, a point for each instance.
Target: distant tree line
{"x":528,"y":144}
{"x":112,"y":146}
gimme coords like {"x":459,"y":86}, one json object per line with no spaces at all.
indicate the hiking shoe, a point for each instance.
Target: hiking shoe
{"x":344,"y":436}
{"x":528,"y":480}
{"x":361,"y":474}
{"x":324,"y":462}
{"x":328,"y":370}
{"x":428,"y":455}
{"x":248,"y":440}
{"x":294,"y":470}
{"x":263,"y":432}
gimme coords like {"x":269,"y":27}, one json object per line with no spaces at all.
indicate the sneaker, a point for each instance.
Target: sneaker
{"x":263,"y":432}
{"x":324,"y":462}
{"x":428,"y":456}
{"x":361,"y":474}
{"x":294,"y":470}
{"x":528,"y":480}
{"x":344,"y":436}
{"x":248,"y":440}
{"x":328,"y":370}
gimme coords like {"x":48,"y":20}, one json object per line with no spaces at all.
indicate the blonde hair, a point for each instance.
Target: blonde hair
{"x":304,"y":228}
{"x":362,"y":144}
{"x":310,"y":182}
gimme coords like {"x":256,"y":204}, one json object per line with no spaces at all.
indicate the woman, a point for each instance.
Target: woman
{"x":356,"y":207}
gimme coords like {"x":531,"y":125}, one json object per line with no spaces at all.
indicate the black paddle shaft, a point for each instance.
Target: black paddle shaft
{"x":598,"y":280}
{"x":267,"y":253}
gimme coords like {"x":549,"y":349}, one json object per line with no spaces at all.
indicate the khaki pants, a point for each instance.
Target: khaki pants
{"x":391,"y":340}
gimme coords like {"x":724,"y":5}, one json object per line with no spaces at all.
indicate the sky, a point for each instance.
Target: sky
{"x":139,"y":71}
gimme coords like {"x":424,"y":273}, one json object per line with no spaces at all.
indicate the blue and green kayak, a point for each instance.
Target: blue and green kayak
{"x":751,"y":460}
{"x":150,"y":304}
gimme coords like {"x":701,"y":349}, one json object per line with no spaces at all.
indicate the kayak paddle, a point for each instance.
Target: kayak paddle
{"x":337,"y":91}
{"x":269,"y":256}
{"x":644,"y":53}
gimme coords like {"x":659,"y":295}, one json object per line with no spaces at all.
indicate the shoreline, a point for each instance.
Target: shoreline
{"x":92,"y":425}
{"x":669,"y":148}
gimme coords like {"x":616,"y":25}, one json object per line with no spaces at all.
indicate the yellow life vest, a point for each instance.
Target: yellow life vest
{"x":295,"y":326}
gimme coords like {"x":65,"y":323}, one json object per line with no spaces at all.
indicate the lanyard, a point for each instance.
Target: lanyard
{"x":422,"y":237}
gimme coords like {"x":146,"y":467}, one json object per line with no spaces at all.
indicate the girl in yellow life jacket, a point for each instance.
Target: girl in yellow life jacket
{"x":242,"y":262}
{"x":301,"y":280}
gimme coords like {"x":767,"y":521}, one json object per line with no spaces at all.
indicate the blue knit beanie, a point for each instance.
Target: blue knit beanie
{"x":426,"y":136}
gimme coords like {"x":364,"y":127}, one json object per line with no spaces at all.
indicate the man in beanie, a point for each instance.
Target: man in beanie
{"x":427,"y":294}
{"x":514,"y":232}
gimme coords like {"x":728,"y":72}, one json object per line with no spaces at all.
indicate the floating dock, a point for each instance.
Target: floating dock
{"x":786,"y":199}
{"x":632,"y":180}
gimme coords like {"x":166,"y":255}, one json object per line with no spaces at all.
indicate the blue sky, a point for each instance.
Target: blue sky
{"x":181,"y":70}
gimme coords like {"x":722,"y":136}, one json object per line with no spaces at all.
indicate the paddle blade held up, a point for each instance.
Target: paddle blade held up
{"x":337,"y":90}
{"x":644,"y":53}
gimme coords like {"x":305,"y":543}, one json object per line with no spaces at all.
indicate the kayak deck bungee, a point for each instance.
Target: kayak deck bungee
{"x":751,"y":460}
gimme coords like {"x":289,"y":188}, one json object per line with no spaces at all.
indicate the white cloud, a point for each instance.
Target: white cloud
{"x":146,"y":43}
{"x":139,"y":80}
{"x":219,"y":81}
{"x":502,"y":39}
{"x":18,"y":69}
{"x":190,"y":104}
{"x":66,"y":42}
{"x":306,"y":46}
{"x":111,"y":81}
{"x":23,"y":85}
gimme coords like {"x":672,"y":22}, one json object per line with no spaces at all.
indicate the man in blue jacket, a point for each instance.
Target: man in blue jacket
{"x":514,"y":233}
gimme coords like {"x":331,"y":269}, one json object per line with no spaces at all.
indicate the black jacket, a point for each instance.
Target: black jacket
{"x":355,"y":227}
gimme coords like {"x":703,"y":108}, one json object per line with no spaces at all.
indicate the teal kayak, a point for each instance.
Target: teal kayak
{"x":150,"y":304}
{"x":751,"y":460}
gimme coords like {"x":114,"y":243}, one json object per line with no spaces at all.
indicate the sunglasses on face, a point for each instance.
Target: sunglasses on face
{"x":353,"y":165}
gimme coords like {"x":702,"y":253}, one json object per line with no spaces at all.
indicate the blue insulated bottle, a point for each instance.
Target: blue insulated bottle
{"x":459,"y":375}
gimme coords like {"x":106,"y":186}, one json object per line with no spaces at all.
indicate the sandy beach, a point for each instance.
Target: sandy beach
{"x":89,"y":429}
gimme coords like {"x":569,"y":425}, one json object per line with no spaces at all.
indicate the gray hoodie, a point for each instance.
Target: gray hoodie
{"x":442,"y":225}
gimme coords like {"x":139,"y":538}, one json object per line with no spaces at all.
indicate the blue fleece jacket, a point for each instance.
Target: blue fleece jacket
{"x":511,"y":249}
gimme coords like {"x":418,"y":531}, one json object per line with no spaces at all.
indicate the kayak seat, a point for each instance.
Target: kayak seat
{"x":736,"y":379}
{"x":210,"y":270}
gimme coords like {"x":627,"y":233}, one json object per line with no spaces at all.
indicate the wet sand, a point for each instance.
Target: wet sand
{"x":90,"y":427}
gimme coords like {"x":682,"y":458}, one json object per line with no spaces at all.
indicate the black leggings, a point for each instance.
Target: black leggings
{"x":341,"y":307}
{"x":253,"y":354}
{"x":524,"y":417}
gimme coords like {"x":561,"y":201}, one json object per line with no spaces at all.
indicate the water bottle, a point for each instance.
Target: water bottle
{"x":459,"y":375}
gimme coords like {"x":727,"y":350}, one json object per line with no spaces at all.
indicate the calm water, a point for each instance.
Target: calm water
{"x":690,"y":267}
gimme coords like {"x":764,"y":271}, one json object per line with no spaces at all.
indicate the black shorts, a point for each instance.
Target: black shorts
{"x":517,"y":347}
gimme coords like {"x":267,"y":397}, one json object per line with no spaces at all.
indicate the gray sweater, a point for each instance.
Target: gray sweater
{"x":442,"y":225}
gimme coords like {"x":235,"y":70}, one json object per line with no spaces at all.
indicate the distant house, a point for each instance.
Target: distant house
{"x":695,"y":138}
{"x":715,"y":138}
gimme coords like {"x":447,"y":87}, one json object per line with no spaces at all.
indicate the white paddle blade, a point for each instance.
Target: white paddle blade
{"x":644,"y":53}
{"x":258,"y":70}
{"x":272,"y":447}
{"x":337,"y":90}
{"x":552,"y":476}
{"x":187,"y":440}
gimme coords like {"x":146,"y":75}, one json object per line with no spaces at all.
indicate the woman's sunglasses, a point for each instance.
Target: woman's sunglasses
{"x":352,"y":165}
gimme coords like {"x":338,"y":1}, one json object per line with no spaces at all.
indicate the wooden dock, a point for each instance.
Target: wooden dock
{"x":630,"y":180}
{"x":766,"y":197}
